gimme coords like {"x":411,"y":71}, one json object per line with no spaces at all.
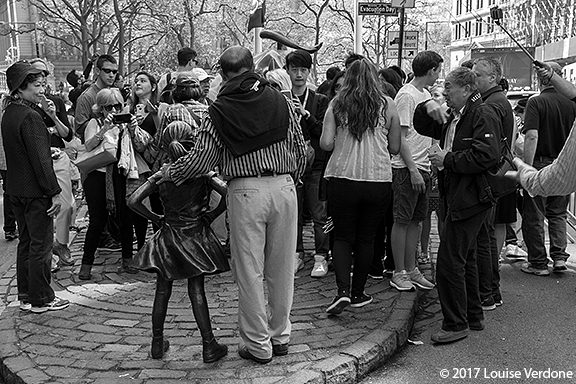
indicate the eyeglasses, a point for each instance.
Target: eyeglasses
{"x":109,"y":71}
{"x":115,"y":107}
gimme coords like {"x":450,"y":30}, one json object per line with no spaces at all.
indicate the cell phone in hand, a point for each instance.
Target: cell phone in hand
{"x":139,"y":110}
{"x":435,"y":148}
{"x":120,"y":118}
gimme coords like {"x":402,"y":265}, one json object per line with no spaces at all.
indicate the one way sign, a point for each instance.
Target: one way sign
{"x":406,"y":54}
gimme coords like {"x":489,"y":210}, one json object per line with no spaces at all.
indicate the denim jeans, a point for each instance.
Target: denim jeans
{"x":357,"y":208}
{"x":536,"y":209}
{"x":34,"y":254}
{"x":309,"y":194}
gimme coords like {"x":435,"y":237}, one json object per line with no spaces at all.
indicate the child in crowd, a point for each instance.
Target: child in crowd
{"x":185,"y":247}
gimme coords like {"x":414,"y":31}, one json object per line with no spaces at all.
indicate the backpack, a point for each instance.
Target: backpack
{"x":166,"y":93}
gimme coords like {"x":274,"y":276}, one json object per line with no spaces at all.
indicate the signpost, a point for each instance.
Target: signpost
{"x":409,"y":46}
{"x":377,"y":9}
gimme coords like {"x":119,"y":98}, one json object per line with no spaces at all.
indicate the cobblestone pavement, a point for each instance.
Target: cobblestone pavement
{"x":104,"y":336}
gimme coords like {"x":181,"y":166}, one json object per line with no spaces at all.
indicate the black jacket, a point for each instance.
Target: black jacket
{"x":30,"y":172}
{"x":317,"y":105}
{"x":476,"y":148}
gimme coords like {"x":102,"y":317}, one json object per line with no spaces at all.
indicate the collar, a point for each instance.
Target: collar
{"x":491,"y":91}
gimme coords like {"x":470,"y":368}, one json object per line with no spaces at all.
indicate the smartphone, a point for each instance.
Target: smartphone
{"x":435,"y":148}
{"x":121,"y":118}
{"x":139,"y":110}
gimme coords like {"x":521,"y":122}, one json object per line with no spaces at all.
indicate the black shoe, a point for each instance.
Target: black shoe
{"x":212,"y":351}
{"x":338,"y":304}
{"x":85,"y":272}
{"x":245,"y":354}
{"x":159,"y":346}
{"x":476,"y":325}
{"x":488,"y":304}
{"x":360,"y":301}
{"x":11,"y":235}
{"x":63,"y":252}
{"x":280,"y":349}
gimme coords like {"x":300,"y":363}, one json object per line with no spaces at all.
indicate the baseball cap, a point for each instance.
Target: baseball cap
{"x":202,"y":75}
{"x":17,"y":72}
{"x":187,"y":79}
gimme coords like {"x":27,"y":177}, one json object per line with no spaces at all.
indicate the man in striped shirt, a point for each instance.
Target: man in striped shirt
{"x":252,"y":134}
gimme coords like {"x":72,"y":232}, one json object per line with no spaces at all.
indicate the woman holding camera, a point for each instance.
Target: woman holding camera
{"x":109,"y":186}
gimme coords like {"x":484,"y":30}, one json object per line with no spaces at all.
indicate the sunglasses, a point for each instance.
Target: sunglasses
{"x":116,"y":107}
{"x":109,"y":71}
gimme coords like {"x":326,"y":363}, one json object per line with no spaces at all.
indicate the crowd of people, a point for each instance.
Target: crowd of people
{"x":367,"y":157}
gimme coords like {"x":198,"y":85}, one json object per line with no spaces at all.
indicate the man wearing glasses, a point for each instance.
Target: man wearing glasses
{"x":105,"y":71}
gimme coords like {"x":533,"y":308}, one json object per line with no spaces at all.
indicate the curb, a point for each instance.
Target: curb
{"x":367,"y":354}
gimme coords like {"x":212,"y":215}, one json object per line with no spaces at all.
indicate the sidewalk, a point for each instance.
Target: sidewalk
{"x":105,"y":334}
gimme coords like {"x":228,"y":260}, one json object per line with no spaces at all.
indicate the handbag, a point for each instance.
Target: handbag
{"x":101,"y":156}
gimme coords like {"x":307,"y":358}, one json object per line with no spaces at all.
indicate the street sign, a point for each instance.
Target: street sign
{"x":377,"y":9}
{"x":403,"y":3}
{"x":410,"y":40}
{"x":406,"y":53}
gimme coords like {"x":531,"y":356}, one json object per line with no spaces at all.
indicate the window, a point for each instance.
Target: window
{"x":479,"y":4}
{"x":468,"y":27}
{"x":468,"y":5}
{"x":478,"y":28}
{"x":458,"y":7}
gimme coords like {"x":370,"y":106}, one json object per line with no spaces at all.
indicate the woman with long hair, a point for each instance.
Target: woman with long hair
{"x":362,"y":128}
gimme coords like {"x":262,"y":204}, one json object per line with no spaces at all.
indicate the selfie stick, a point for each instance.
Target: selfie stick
{"x":496,"y":14}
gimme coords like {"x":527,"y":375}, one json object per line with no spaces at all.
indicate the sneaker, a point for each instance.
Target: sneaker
{"x":401,"y":281}
{"x":54,"y":305}
{"x":299,"y":264}
{"x":25,"y":306}
{"x":514,"y":251}
{"x":498,"y":302}
{"x":449,"y":336}
{"x":559,"y":266}
{"x":488,"y":304}
{"x":63,"y":253}
{"x":419,"y":280}
{"x":338,"y":304}
{"x":320,"y":266}
{"x":110,"y":245}
{"x":11,"y":235}
{"x":527,"y":268}
{"x":360,"y":301}
{"x":54,"y":266}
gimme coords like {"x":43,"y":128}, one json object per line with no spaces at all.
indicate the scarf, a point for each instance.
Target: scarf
{"x":249,"y":115}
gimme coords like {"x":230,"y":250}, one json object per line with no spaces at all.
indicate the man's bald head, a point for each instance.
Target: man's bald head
{"x":236,"y":60}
